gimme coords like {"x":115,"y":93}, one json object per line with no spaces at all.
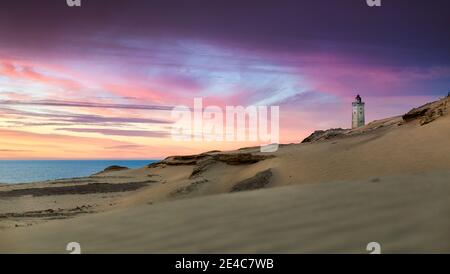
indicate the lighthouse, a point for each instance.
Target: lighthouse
{"x":358,"y":119}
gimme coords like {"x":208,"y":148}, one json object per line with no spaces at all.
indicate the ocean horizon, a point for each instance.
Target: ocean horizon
{"x":29,"y":171}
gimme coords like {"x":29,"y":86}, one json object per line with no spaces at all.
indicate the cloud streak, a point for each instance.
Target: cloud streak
{"x":60,"y":103}
{"x":118,"y":132}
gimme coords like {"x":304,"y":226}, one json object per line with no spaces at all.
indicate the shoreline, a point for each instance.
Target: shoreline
{"x":37,"y":163}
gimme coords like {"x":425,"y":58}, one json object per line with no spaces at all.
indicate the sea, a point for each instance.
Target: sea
{"x":13,"y":172}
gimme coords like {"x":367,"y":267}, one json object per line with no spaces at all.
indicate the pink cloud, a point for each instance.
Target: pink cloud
{"x":27,"y":73}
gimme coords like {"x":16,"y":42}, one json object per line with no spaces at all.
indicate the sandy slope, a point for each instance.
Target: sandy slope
{"x":390,"y":182}
{"x":403,"y":214}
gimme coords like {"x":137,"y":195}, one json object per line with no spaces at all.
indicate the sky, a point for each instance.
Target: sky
{"x":99,"y":81}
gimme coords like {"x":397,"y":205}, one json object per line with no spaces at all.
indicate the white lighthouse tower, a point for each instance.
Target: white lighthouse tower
{"x":358,"y":119}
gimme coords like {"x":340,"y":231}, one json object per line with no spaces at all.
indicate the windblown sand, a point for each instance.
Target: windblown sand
{"x":387,"y":182}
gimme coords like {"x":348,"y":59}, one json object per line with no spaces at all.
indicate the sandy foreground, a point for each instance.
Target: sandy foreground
{"x":387,"y":182}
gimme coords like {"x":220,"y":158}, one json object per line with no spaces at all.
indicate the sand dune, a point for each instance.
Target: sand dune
{"x":385,"y":182}
{"x":403,"y":214}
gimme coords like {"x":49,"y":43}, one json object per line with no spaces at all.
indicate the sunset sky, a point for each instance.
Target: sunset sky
{"x":98,"y":82}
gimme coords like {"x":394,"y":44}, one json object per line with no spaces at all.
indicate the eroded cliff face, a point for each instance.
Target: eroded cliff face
{"x":202,"y":161}
{"x":428,"y":112}
{"x":320,"y":135}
